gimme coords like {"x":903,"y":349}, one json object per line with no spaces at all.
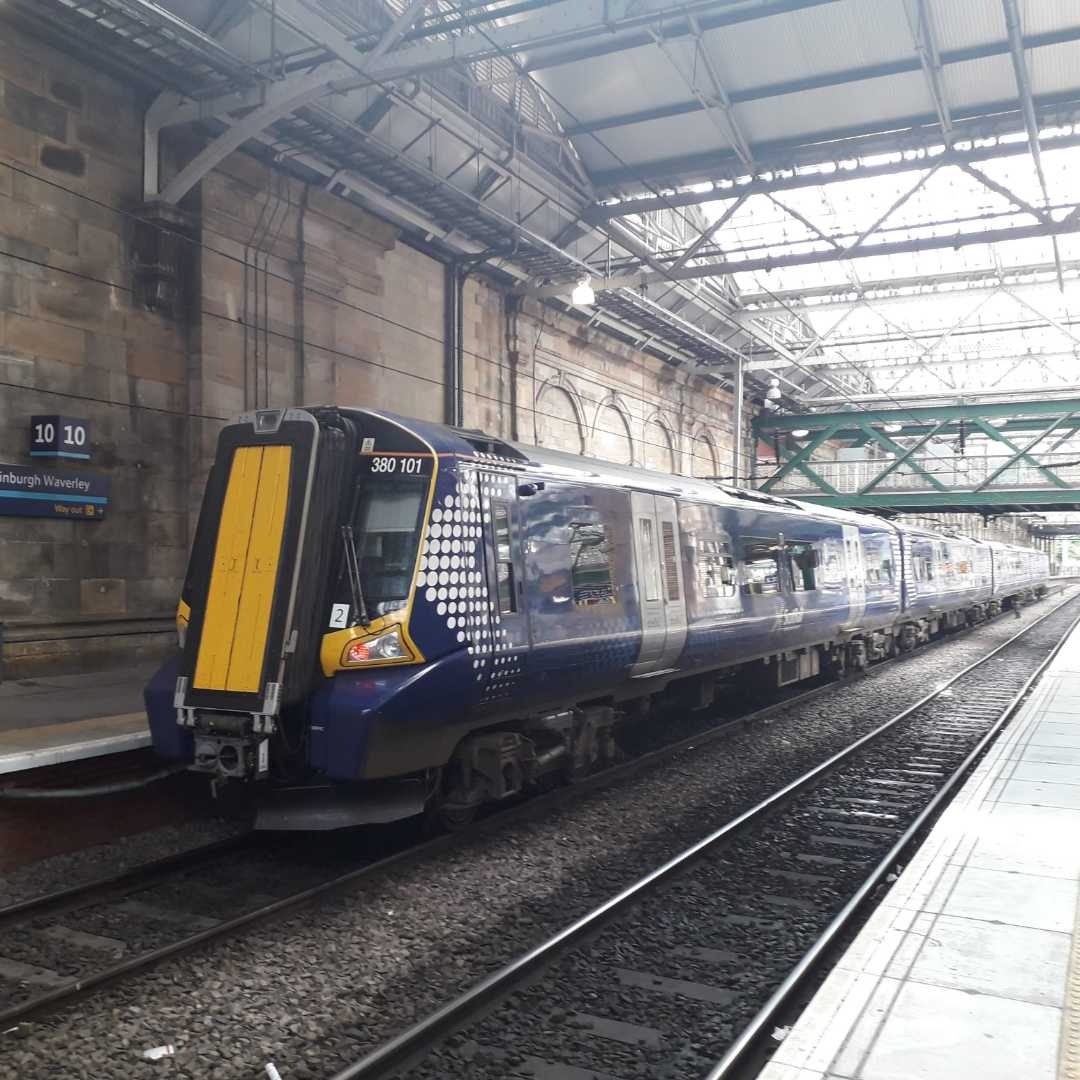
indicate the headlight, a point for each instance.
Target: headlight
{"x":384,"y":647}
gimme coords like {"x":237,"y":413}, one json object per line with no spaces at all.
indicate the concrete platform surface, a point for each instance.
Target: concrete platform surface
{"x":971,"y":966}
{"x":48,"y":721}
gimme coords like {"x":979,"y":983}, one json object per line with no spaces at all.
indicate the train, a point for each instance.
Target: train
{"x":385,"y":617}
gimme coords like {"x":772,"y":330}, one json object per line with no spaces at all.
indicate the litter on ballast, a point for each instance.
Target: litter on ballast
{"x":781,"y":1033}
{"x":271,"y":1071}
{"x":156,"y":1053}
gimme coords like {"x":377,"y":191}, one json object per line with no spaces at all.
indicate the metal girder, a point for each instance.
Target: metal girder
{"x":914,"y":142}
{"x":874,"y":399}
{"x":707,"y":233}
{"x":638,"y":278}
{"x":901,"y":460}
{"x":922,"y":28}
{"x":1027,"y":105}
{"x":1019,"y":452}
{"x":997,"y":501}
{"x":901,"y":66}
{"x":888,"y":290}
{"x":915,"y":420}
{"x":285,"y":97}
{"x":717,"y":102}
{"x":552,"y":37}
{"x":799,"y":459}
{"x":1023,"y":453}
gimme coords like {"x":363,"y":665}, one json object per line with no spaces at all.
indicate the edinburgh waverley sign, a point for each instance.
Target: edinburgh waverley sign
{"x":44,"y":493}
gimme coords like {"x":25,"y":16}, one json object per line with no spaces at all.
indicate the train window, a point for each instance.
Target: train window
{"x":671,"y":568}
{"x":504,"y":557}
{"x":715,"y":569}
{"x":831,"y":571}
{"x":803,"y":557}
{"x":387,"y":521}
{"x":761,"y":568}
{"x":649,"y":559}
{"x":923,"y":567}
{"x":879,"y":567}
{"x":590,"y":564}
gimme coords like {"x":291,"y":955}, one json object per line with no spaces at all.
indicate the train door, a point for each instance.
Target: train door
{"x":505,"y":565}
{"x":856,"y":574}
{"x":659,"y":583}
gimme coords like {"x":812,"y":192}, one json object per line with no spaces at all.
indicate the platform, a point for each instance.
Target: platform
{"x":970,"y":968}
{"x":49,"y":721}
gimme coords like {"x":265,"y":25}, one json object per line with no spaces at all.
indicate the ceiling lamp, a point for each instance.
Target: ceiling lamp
{"x":773,"y":393}
{"x":583,"y":294}
{"x":892,"y":429}
{"x":800,"y":432}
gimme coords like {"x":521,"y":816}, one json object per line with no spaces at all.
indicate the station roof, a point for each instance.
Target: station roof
{"x":778,"y":184}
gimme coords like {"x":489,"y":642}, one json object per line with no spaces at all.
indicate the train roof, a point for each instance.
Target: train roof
{"x":560,"y":464}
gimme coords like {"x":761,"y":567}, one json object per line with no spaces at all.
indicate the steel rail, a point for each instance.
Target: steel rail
{"x":124,"y":881}
{"x":282,"y":908}
{"x":756,"y":1030}
{"x":414,"y":1041}
{"x":79,"y":987}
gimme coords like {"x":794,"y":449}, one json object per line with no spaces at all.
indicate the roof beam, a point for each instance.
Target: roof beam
{"x":915,"y":137}
{"x":922,"y":29}
{"x":717,"y":101}
{"x":284,"y":97}
{"x":550,"y":38}
{"x":1027,"y":105}
{"x":844,"y":294}
{"x":902,"y":66}
{"x":637,"y":278}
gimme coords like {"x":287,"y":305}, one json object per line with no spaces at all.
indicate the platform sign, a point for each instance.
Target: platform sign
{"x":60,"y":436}
{"x":77,"y":496}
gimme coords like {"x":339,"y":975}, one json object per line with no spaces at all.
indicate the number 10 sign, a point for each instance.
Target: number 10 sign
{"x":59,"y":436}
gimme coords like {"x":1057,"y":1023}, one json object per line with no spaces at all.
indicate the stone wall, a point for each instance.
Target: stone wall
{"x":547,"y":378}
{"x":294,"y":294}
{"x":73,"y":342}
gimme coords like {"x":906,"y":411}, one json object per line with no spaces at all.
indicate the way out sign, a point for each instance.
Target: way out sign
{"x":59,"y":436}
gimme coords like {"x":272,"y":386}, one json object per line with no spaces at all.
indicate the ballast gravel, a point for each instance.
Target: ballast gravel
{"x":101,"y":860}
{"x":316,"y":991}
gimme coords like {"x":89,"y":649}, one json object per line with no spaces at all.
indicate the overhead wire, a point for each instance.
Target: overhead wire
{"x":598,"y":402}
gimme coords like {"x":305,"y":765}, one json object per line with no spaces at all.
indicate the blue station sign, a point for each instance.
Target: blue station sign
{"x":77,"y":496}
{"x":59,"y":436}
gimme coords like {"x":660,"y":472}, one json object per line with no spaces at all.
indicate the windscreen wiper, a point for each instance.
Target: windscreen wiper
{"x":352,"y":565}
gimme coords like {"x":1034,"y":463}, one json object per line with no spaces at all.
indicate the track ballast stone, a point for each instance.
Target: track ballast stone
{"x":317,"y":991}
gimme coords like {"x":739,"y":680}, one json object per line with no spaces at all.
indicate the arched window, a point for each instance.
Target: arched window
{"x":611,"y":436}
{"x":659,"y":451}
{"x":706,"y":459}
{"x":558,"y":424}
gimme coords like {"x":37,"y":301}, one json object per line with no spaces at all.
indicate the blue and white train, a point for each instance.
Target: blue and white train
{"x":384,"y":616}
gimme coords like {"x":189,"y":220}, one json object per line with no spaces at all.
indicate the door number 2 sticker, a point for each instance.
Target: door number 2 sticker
{"x":339,"y":616}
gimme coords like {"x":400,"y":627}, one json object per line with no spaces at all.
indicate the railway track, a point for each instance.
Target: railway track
{"x":683,"y":973}
{"x":58,"y":947}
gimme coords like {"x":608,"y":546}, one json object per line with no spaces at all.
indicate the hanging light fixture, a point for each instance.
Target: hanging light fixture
{"x":583,"y":294}
{"x":773,"y":393}
{"x":800,"y":432}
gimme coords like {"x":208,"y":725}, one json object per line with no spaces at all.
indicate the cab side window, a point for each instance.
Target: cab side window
{"x":504,"y":558}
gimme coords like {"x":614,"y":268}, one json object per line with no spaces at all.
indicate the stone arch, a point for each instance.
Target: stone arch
{"x":611,"y":432}
{"x":658,"y":444}
{"x":704,"y":454}
{"x":558,"y":417}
